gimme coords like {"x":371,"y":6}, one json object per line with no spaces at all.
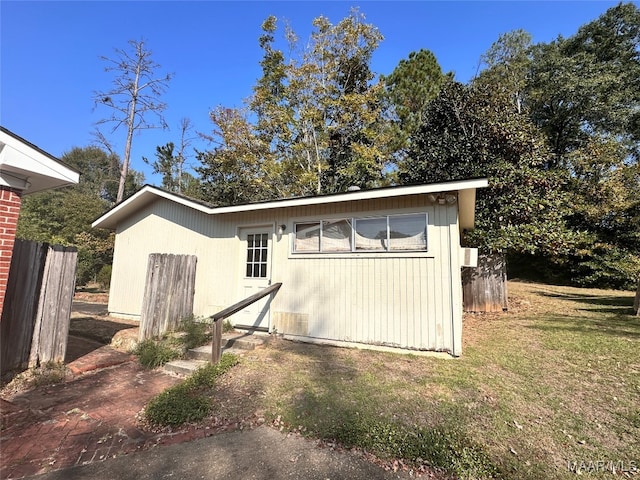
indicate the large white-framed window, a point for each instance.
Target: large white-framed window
{"x":384,"y":233}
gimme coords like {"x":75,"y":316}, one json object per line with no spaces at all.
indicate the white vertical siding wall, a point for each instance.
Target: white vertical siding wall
{"x":408,"y":301}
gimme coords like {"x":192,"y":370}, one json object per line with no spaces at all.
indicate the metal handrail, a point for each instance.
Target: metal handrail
{"x":216,"y":344}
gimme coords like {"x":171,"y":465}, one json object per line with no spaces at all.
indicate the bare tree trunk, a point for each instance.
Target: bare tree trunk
{"x":135,"y":94}
{"x":130,"y":128}
{"x":636,"y":303}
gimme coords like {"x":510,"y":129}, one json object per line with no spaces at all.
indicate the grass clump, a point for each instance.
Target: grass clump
{"x":196,"y":332}
{"x":443,"y":447}
{"x":188,"y":401}
{"x":227,"y":327}
{"x":152,"y":353}
{"x":191,"y":333}
{"x":48,"y":373}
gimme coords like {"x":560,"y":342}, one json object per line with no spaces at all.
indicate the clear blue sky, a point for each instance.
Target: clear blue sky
{"x":50,"y":66}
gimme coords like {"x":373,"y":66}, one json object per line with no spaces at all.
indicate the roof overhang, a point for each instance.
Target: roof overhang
{"x":27,"y":168}
{"x":466,"y":190}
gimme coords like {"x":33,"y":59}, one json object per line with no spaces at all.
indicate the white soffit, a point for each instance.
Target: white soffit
{"x":27,"y":168}
{"x":148,"y":194}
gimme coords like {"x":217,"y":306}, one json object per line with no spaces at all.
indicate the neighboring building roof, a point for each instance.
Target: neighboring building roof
{"x":30,"y":169}
{"x":466,"y":199}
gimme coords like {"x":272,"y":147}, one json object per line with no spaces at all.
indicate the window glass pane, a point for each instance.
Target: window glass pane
{"x":263,"y":240}
{"x":408,"y":232}
{"x":249,"y":269}
{"x":256,"y":271}
{"x":307,"y":237}
{"x":264,"y":255}
{"x":371,"y":233}
{"x":263,"y":270}
{"x":250,"y":240}
{"x":336,"y":236}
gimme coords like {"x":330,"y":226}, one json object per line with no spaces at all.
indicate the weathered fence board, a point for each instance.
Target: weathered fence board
{"x":35,"y":318}
{"x":54,"y":310}
{"x":21,"y":304}
{"x":484,"y":288}
{"x":168,"y":293}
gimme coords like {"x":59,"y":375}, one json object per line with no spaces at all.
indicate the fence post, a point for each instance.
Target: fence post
{"x":216,"y":347}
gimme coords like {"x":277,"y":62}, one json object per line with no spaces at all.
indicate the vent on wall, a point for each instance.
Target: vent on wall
{"x":469,"y":257}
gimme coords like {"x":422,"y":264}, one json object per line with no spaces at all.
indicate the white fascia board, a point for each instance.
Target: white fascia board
{"x":358,"y":195}
{"x":139,"y":199}
{"x":148,"y":193}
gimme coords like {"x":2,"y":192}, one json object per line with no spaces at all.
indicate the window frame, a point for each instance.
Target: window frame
{"x":354,"y":252}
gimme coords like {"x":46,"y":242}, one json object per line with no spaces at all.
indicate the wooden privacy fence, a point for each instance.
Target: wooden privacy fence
{"x":35,"y":318}
{"x":168,"y":293}
{"x":484,"y":288}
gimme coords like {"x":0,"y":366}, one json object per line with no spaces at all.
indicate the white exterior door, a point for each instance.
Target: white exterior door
{"x":255,"y":271}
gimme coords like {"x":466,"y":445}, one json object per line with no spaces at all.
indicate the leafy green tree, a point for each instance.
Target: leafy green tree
{"x":340,"y":56}
{"x":232,"y":172}
{"x":171,"y":164}
{"x":317,"y":119}
{"x":99,"y":171}
{"x":469,"y":131}
{"x":63,"y":217}
{"x":587,"y":84}
{"x":508,"y":62}
{"x":582,"y":91}
{"x":408,"y":89}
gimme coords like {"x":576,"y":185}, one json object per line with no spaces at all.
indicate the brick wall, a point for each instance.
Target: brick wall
{"x":10,"y":202}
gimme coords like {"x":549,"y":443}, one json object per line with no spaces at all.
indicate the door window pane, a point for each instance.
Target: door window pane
{"x":257,"y":246}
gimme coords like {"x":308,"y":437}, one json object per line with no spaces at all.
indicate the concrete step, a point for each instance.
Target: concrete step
{"x":237,"y":343}
{"x":183,"y":367}
{"x":243,"y":340}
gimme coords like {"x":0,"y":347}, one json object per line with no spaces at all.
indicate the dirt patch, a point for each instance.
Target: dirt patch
{"x":91,"y":296}
{"x":100,"y":329}
{"x":90,"y":320}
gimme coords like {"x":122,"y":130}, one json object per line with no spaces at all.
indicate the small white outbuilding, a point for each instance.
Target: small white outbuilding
{"x":364,"y":268}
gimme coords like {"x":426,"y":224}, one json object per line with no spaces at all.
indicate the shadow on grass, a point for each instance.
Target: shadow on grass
{"x":341,"y":402}
{"x":624,"y":326}
{"x":608,"y":300}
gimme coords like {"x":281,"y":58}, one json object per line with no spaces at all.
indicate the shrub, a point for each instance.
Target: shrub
{"x":104,"y":276}
{"x":176,"y":406}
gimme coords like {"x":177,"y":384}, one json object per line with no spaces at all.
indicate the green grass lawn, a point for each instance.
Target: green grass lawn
{"x":549,"y":387}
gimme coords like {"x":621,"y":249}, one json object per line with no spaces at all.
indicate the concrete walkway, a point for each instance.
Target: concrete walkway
{"x":261,"y":454}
